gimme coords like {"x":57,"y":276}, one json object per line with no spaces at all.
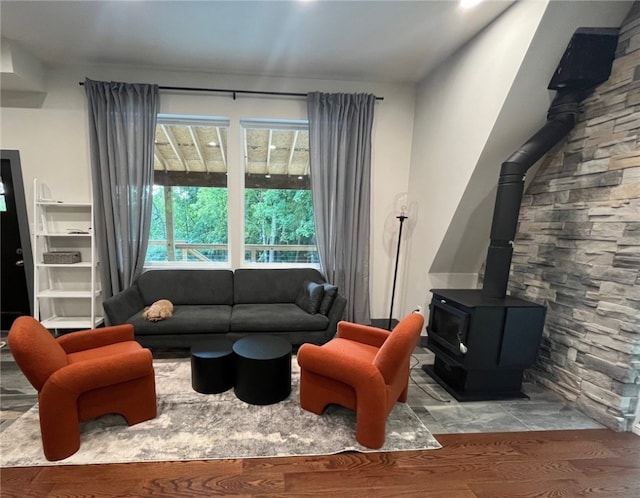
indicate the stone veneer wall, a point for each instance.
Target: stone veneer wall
{"x":578,"y":248}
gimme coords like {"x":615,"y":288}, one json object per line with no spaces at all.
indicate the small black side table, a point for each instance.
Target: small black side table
{"x":212,"y":366}
{"x":263,"y":369}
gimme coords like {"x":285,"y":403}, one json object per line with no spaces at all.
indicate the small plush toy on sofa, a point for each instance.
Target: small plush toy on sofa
{"x":159,"y":310}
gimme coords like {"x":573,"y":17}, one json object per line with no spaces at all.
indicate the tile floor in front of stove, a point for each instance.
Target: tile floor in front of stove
{"x":440,"y":412}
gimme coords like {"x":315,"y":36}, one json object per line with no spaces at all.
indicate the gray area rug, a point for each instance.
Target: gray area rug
{"x":194,"y":426}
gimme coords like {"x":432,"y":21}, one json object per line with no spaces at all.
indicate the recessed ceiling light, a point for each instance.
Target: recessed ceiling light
{"x":267,"y":176}
{"x":212,"y":144}
{"x":272,"y":147}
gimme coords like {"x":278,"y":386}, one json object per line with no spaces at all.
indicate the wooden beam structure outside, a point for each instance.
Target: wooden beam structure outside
{"x":201,"y":179}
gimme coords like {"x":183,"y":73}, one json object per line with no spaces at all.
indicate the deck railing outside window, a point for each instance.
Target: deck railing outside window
{"x":254,"y":253}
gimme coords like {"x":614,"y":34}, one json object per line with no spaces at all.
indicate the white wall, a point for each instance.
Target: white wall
{"x":54,"y":147}
{"x":471,"y":114}
{"x":456,"y":109}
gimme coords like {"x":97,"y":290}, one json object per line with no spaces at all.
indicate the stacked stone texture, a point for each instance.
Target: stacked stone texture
{"x":578,"y":248}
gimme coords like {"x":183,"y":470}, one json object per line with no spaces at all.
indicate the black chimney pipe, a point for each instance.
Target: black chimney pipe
{"x":585,"y":64}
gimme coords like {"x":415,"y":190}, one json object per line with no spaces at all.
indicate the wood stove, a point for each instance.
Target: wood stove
{"x":484,"y":339}
{"x":482,"y":345}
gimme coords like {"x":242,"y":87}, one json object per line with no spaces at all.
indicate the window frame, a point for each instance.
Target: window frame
{"x":272,"y":124}
{"x":236,"y":187}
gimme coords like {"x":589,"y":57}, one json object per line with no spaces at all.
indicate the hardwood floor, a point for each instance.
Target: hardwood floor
{"x":597,"y":463}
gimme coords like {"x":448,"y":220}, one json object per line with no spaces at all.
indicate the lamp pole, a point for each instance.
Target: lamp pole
{"x":402,"y":217}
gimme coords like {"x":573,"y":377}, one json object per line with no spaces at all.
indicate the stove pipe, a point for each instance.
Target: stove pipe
{"x":585,"y":64}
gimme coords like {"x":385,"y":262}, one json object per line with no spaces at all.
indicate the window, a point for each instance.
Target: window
{"x":278,"y":221}
{"x":3,"y":202}
{"x":191,"y":210}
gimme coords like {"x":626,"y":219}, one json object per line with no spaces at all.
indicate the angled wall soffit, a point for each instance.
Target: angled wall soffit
{"x":21,"y":77}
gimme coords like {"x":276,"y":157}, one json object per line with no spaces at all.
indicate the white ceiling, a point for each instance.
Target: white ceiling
{"x":386,"y":41}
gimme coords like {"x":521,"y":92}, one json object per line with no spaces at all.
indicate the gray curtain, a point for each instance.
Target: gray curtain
{"x":122,"y":124}
{"x":340,"y":161}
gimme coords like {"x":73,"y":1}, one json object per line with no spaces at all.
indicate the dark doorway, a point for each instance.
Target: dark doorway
{"x":15,"y":246}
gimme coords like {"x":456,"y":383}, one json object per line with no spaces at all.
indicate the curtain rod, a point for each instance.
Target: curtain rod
{"x":234,"y":93}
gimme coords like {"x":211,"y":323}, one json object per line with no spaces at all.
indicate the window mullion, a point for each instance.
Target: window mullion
{"x":235,"y":185}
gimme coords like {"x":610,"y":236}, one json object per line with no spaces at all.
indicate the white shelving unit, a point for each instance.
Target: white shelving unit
{"x":66,"y":295}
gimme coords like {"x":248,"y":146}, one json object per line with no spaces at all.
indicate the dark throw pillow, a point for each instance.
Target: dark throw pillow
{"x":310,"y":297}
{"x":330,"y":293}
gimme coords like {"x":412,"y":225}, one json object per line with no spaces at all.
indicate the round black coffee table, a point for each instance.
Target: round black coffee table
{"x":212,"y":366}
{"x":263,"y":369}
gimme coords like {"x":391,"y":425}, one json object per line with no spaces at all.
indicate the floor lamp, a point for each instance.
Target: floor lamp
{"x":401,"y":218}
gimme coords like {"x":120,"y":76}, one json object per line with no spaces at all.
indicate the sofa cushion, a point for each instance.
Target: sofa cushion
{"x":186,"y":319}
{"x":268,"y":285}
{"x":310,"y":296}
{"x":278,"y":316}
{"x":330,"y":293}
{"x":186,"y":287}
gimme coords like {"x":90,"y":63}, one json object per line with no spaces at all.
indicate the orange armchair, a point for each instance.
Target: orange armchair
{"x":83,"y":375}
{"x":363,"y":368}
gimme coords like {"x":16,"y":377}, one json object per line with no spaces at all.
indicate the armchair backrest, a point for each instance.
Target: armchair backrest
{"x":35,"y":350}
{"x":398,"y":347}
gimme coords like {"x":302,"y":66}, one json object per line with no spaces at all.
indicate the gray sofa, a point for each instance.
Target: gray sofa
{"x":232,"y":303}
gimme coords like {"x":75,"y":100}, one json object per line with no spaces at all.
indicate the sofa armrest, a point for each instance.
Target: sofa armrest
{"x":119,"y":308}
